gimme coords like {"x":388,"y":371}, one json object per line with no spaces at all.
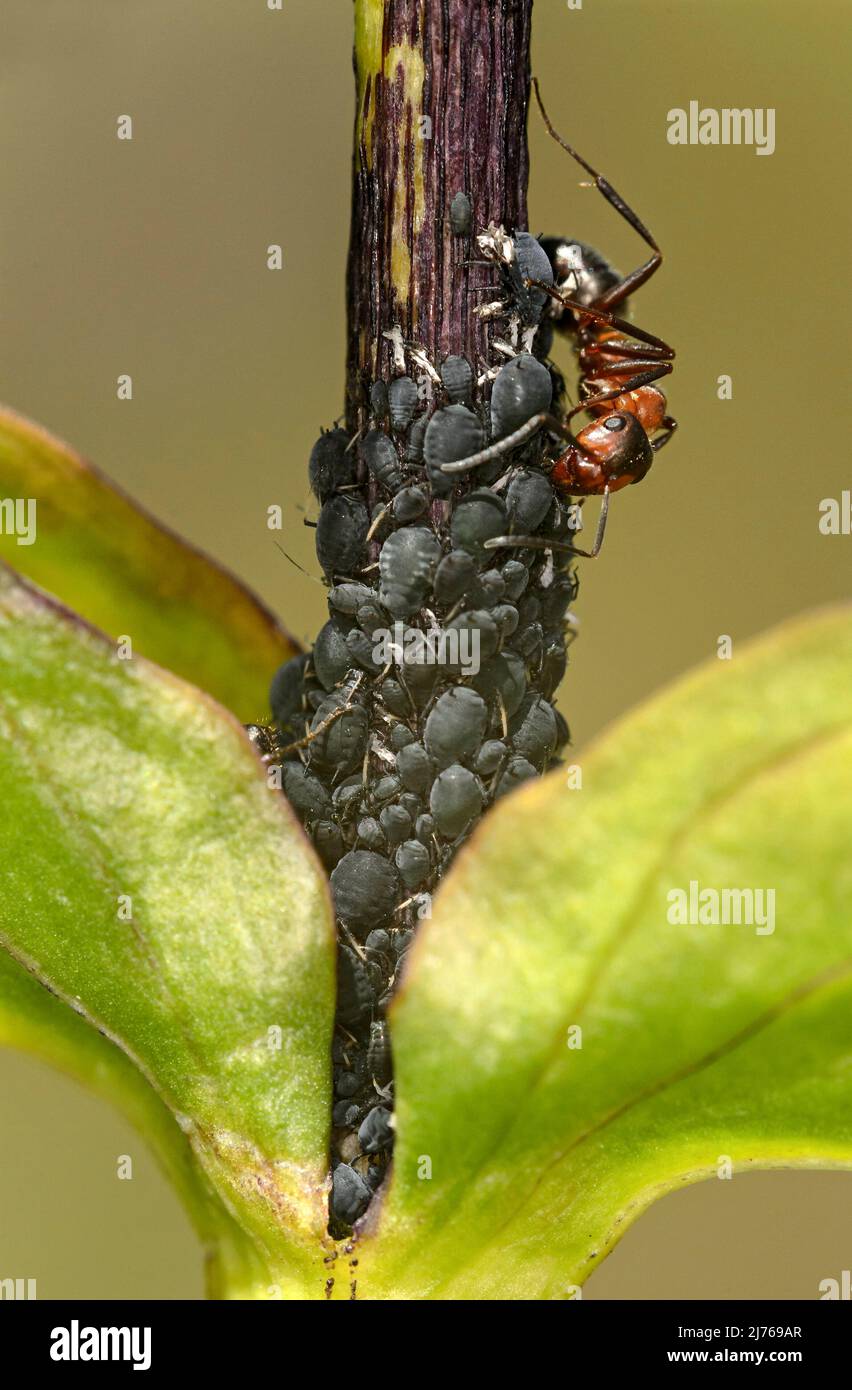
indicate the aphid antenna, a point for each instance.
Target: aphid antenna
{"x":296,"y":564}
{"x":503,"y":718}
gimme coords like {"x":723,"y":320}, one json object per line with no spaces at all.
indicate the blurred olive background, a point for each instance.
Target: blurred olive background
{"x":149,"y":257}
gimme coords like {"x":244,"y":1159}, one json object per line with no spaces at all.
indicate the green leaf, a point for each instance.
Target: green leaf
{"x":118,"y":567}
{"x":700,"y":1043}
{"x":158,"y":886}
{"x":35,"y":1021}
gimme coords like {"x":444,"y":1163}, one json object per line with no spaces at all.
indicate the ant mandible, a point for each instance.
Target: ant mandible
{"x":619,"y":364}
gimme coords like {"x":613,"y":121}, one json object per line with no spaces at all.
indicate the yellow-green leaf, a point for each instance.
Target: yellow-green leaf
{"x":87,"y":542}
{"x":703,"y":1047}
{"x":158,"y":886}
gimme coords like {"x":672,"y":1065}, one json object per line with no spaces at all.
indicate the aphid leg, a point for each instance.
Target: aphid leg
{"x":356,"y":945}
{"x":384,"y":673}
{"x":504,"y":721}
{"x":546,"y":543}
{"x":400,"y":677}
{"x":323,"y":725}
{"x":377,"y":521}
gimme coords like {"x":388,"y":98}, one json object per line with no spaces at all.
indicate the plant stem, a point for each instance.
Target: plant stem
{"x":392,"y":788}
{"x":442,"y":94}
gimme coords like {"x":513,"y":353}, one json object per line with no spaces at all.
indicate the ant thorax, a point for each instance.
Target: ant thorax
{"x":579,"y":270}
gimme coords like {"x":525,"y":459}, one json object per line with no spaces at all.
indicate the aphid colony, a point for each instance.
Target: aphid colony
{"x":450,"y":509}
{"x":389,"y":764}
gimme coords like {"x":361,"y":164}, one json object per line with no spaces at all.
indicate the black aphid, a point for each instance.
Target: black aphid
{"x":406,"y":569}
{"x":523,"y":388}
{"x":455,"y":799}
{"x":331,"y":465}
{"x":365,"y":889}
{"x":452,"y":433}
{"x":350,"y":1195}
{"x":341,"y":533}
{"x":461,"y":214}
{"x":402,"y":402}
{"x":376,"y":1132}
{"x":382,"y":459}
{"x":457,"y":379}
{"x":529,"y":498}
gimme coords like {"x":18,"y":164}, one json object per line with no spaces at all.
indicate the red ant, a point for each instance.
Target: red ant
{"x":616,"y":381}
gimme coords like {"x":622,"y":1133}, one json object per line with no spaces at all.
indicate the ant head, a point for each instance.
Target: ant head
{"x":620,"y":445}
{"x":580,"y":270}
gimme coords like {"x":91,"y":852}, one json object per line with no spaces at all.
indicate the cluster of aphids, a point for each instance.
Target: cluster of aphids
{"x":445,"y":534}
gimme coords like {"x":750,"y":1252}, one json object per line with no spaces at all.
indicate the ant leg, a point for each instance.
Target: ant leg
{"x":644,"y":379}
{"x":600,"y":531}
{"x":510,"y":441}
{"x":616,"y":294}
{"x":603,"y":316}
{"x":639,"y":355}
{"x":543,"y":543}
{"x":604,"y":186}
{"x":669,"y":426}
{"x":644,"y":272}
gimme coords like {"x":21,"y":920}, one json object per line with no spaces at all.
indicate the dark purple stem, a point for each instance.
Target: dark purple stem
{"x":443,"y":88}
